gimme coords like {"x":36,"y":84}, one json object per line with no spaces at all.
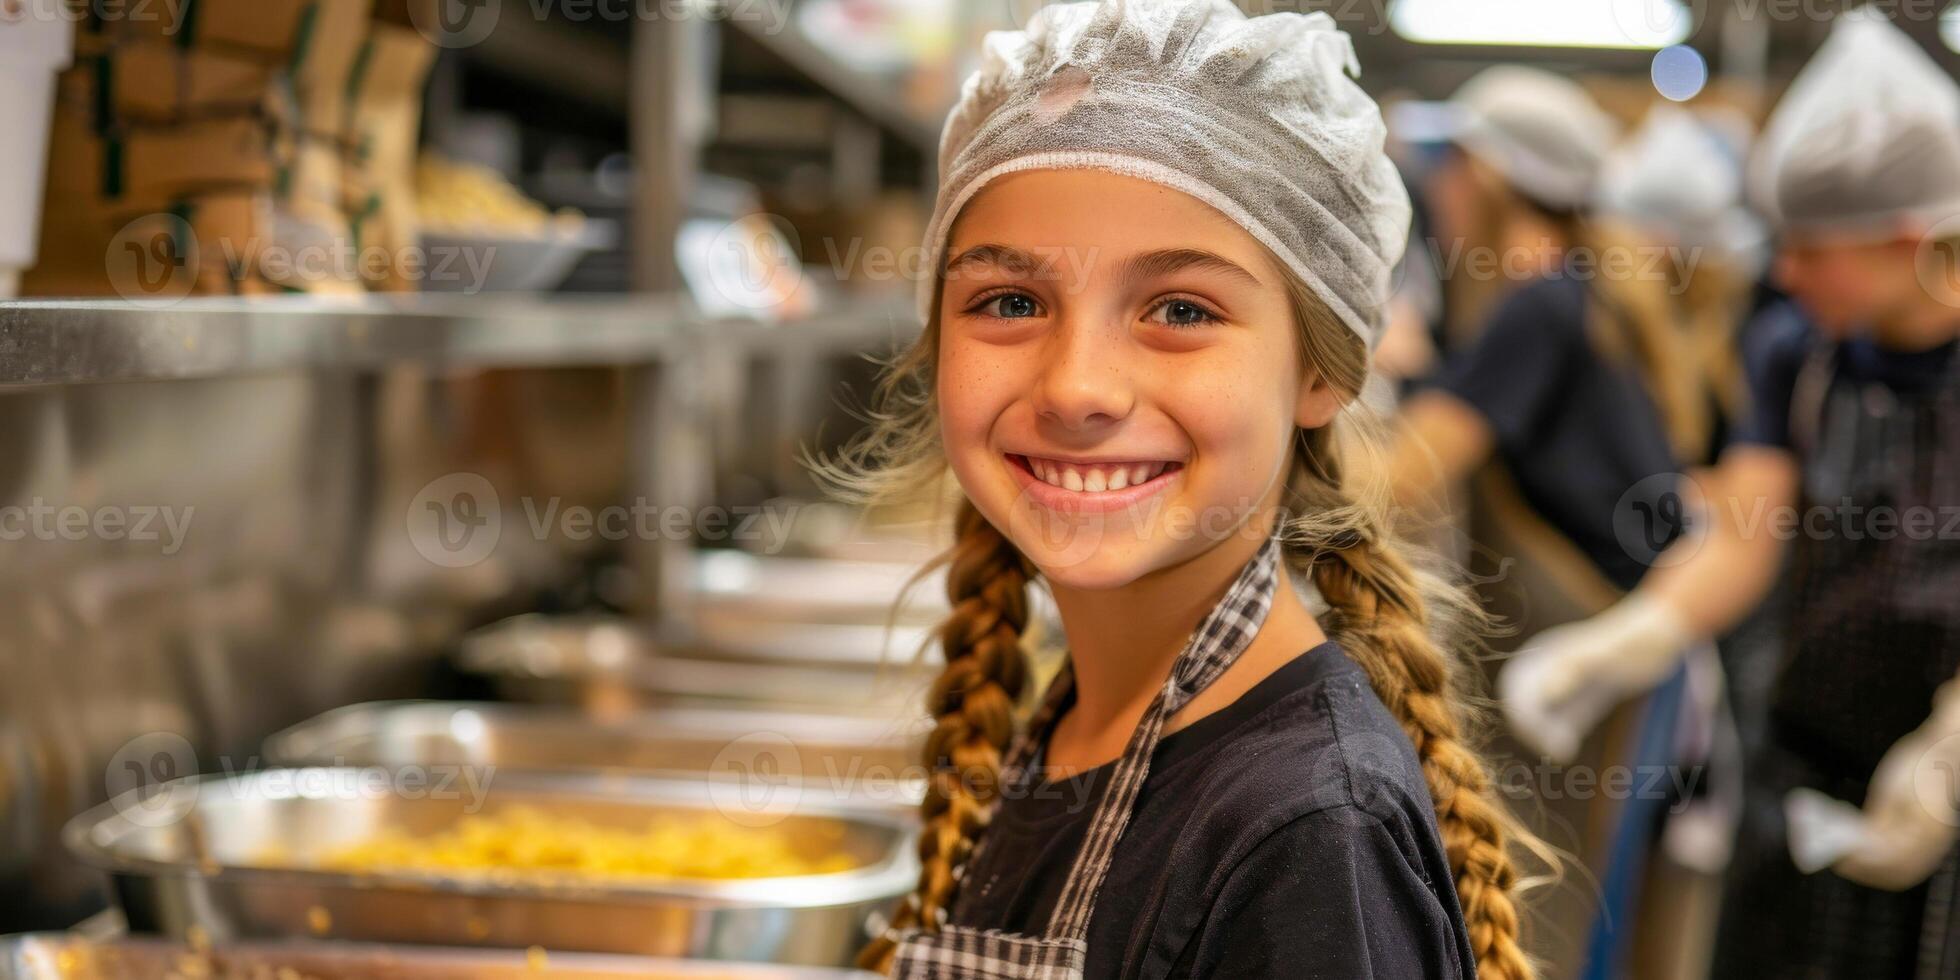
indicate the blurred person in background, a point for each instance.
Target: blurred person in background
{"x":1523,"y":152}
{"x":1590,"y":385}
{"x":1853,"y":456}
{"x":1581,"y":383}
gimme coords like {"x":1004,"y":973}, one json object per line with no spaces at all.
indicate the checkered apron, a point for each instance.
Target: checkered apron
{"x":957,"y":952}
{"x":1875,"y":628}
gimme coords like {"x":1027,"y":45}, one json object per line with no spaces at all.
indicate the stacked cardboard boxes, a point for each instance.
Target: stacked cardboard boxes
{"x":215,"y":147}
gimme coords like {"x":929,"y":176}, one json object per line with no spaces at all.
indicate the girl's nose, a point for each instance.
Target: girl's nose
{"x":1084,"y":381}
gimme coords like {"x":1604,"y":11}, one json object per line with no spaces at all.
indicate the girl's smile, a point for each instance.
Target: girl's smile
{"x":1090,"y":486}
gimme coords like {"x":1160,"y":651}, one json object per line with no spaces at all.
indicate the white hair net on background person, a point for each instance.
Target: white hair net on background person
{"x":1541,"y":132}
{"x":1867,"y":135}
{"x":1677,"y":180}
{"x":1257,"y":117}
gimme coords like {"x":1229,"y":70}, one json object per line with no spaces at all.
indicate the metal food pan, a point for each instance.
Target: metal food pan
{"x":610,"y":669}
{"x":63,"y":956}
{"x":816,"y":590}
{"x":198,"y":862}
{"x":868,"y":759}
{"x":725,"y":631}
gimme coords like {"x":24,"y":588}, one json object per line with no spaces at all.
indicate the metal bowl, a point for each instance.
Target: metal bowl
{"x":870,"y":760}
{"x":60,"y":956}
{"x":199,"y":853}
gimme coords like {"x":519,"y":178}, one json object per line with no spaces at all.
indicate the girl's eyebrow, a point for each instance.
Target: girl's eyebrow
{"x":1150,"y":265}
{"x":1144,"y":266}
{"x":1004,"y":258}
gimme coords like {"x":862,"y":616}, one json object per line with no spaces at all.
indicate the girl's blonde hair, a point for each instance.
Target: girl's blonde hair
{"x":1385,"y":611}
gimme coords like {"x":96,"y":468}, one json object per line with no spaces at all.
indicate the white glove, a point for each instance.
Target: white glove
{"x":1912,"y":810}
{"x":1564,"y":680}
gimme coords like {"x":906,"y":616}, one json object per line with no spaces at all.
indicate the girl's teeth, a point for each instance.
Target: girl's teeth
{"x":1093,"y":479}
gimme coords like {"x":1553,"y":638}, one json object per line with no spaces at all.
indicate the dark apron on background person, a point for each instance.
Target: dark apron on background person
{"x":956,"y":952}
{"x":1875,"y":629}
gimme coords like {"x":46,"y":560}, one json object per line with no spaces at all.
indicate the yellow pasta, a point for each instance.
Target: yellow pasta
{"x":526,"y":840}
{"x":465,"y":198}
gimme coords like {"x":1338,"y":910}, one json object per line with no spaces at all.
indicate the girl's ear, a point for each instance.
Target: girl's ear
{"x":1318,"y":403}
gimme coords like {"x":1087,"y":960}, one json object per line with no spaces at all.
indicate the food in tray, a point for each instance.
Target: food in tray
{"x":83,"y":961}
{"x":528,"y":842}
{"x":67,"y":957}
{"x":465,"y":198}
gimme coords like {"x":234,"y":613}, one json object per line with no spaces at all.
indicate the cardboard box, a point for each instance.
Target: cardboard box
{"x":198,"y":115}
{"x":207,"y":244}
{"x":152,"y":81}
{"x":100,"y":149}
{"x":76,"y":154}
{"x":267,"y":30}
{"x":383,"y":135}
{"x":174,"y":161}
{"x":324,"y":65}
{"x":215,"y":240}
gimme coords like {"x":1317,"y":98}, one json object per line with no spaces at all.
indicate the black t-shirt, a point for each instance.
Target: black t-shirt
{"x":1777,"y":342}
{"x":1579,"y":432}
{"x":1289,"y":834}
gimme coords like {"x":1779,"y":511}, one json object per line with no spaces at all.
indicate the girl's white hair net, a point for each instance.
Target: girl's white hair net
{"x":1867,"y":135}
{"x":1256,"y":117}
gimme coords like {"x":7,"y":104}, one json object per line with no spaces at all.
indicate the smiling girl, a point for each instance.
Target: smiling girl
{"x":1166,"y":233}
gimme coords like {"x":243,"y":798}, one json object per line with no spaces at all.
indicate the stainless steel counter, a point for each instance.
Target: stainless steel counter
{"x":241,"y":472}
{"x":52,"y":342}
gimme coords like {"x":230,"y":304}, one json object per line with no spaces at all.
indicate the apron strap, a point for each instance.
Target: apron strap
{"x":1214,"y":646}
{"x":1808,"y":396}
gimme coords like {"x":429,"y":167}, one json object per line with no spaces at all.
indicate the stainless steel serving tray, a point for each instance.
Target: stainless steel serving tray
{"x":62,"y":956}
{"x":610,"y":669}
{"x":194,"y":855}
{"x":871,"y":760}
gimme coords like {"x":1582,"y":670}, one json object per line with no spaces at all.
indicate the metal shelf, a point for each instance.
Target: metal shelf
{"x":868,"y":95}
{"x":59,"y":342}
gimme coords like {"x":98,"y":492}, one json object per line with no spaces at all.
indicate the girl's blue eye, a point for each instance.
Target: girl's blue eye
{"x":1181,"y":313}
{"x":1011,"y":306}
